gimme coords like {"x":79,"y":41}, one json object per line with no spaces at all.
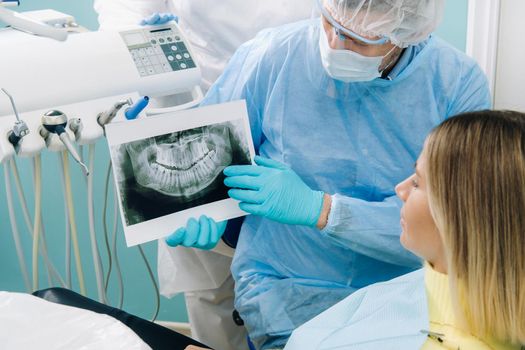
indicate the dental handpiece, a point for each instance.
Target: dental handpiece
{"x":107,"y":116}
{"x":20,"y":128}
{"x":54,"y":122}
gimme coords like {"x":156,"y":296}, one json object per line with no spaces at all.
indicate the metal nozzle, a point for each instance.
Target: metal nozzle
{"x":12,"y":103}
{"x":20,"y":128}
{"x":64,"y":137}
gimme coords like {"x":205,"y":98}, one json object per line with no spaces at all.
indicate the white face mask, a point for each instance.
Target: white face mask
{"x":347,"y":65}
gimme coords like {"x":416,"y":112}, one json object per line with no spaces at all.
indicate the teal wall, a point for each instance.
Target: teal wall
{"x":454,"y":26}
{"x":138,"y":290}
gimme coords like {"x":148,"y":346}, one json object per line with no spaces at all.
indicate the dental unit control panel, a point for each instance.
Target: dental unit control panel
{"x":158,"y":51}
{"x":86,"y":74}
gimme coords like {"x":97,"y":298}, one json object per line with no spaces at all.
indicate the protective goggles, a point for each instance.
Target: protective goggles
{"x":344,"y":33}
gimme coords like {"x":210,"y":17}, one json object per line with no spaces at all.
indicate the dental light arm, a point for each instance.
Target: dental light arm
{"x":29,"y":25}
{"x":54,"y":122}
{"x":6,"y":3}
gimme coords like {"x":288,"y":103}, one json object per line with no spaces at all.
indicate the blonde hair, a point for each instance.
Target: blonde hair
{"x":476,"y":185}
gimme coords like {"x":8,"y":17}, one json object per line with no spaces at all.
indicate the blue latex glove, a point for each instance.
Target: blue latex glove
{"x":203,"y":234}
{"x":159,"y":18}
{"x":273,"y":190}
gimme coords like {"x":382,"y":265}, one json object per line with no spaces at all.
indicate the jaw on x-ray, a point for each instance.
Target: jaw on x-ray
{"x":168,"y":173}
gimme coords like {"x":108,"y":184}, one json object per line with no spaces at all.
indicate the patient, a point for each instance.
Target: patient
{"x":464,"y":214}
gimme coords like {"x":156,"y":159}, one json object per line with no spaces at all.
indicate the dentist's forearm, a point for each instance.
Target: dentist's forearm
{"x":325,"y":211}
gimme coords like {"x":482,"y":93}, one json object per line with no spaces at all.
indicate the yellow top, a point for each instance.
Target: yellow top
{"x":444,"y":330}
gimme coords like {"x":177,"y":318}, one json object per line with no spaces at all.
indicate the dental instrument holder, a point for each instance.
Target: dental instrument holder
{"x":107,"y":116}
{"x":54,"y":122}
{"x":20,"y":128}
{"x":76,"y":126}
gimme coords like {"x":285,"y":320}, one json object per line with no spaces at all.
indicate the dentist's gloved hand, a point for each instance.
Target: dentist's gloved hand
{"x":159,"y":18}
{"x":203,"y":234}
{"x":273,"y":190}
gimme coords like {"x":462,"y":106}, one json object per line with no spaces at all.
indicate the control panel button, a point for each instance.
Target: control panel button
{"x":154,"y":60}
{"x":158,"y":68}
{"x":166,"y":67}
{"x":157,"y":51}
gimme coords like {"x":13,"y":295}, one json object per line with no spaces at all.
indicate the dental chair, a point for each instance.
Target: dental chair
{"x":156,"y":336}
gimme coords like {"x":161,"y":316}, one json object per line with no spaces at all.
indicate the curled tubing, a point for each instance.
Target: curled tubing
{"x":154,"y":282}
{"x":36,"y":223}
{"x":68,"y":227}
{"x":114,"y":238}
{"x":52,"y":272}
{"x":74,"y":233}
{"x":105,"y":229}
{"x":15,"y":231}
{"x":92,"y":234}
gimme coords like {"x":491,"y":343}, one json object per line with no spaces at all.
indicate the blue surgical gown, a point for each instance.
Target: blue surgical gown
{"x":353,"y":140}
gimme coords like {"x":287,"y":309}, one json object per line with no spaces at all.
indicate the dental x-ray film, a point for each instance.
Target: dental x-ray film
{"x":168,"y":168}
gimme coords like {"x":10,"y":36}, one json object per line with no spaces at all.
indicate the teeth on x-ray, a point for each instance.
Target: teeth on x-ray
{"x":183,"y":163}
{"x":176,"y":157}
